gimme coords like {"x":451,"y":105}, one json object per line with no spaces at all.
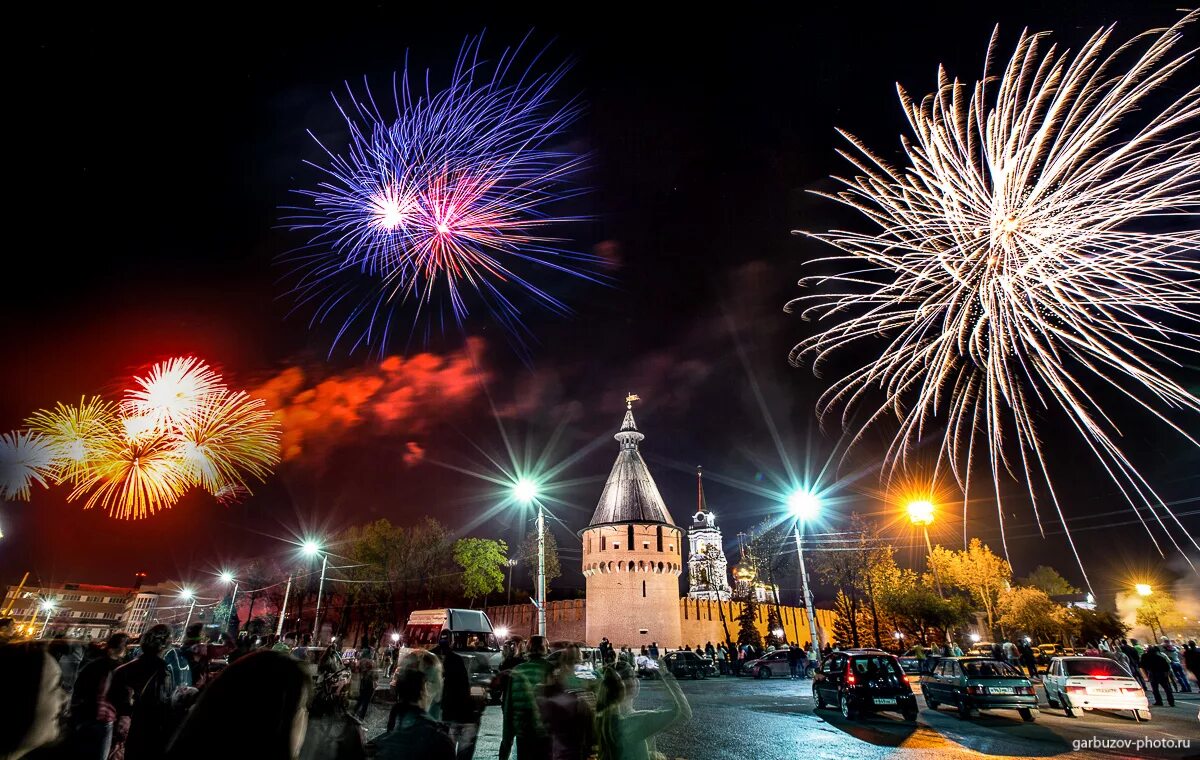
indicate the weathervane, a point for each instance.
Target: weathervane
{"x":630,"y":398}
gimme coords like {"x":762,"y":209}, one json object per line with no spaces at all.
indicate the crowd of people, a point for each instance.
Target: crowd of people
{"x":109,"y":702}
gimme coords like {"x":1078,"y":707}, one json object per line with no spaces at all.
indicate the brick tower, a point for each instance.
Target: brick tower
{"x":632,"y":554}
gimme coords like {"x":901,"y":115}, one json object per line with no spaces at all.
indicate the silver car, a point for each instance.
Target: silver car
{"x":774,"y":665}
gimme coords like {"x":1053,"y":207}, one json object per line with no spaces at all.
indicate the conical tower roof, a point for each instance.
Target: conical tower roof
{"x":630,"y":495}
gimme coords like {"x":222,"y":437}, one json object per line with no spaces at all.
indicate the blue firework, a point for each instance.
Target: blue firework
{"x":444,"y":207}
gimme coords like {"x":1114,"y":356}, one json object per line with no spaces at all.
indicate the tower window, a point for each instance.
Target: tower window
{"x":589,"y":544}
{"x":616,"y":545}
{"x":630,"y":538}
{"x":660,"y":538}
{"x":645,"y":544}
{"x":643,"y":588}
{"x":603,"y":541}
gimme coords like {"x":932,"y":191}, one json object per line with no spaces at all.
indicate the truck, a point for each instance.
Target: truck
{"x":471,"y":637}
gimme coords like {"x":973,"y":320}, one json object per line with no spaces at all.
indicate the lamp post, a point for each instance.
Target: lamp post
{"x":920,"y":513}
{"x":311,"y":549}
{"x":287,"y":591}
{"x":805,"y":505}
{"x":526,"y":492}
{"x":188,"y":594}
{"x":227,"y":578}
{"x":511,"y":564}
{"x":47,"y":606}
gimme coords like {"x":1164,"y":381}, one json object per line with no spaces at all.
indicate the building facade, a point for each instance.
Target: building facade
{"x":74,"y":610}
{"x":632,"y":553}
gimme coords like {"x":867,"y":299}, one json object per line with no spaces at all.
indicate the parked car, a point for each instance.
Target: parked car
{"x":1093,"y":683}
{"x":864,"y":681}
{"x":910,"y":663}
{"x":975,"y":683}
{"x":775,"y":665}
{"x":685,"y":665}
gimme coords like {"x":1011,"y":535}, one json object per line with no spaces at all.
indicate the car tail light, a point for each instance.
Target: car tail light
{"x":849,"y":675}
{"x":1027,"y":690}
{"x":1132,"y":690}
{"x":1077,"y":690}
{"x":977,"y":690}
{"x":904,"y":678}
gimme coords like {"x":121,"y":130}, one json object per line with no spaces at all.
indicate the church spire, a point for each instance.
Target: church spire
{"x":701,"y":504}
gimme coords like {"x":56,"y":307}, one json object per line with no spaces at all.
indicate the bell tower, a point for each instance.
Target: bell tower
{"x":708,"y":576}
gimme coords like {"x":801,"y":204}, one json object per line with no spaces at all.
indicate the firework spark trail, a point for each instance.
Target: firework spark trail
{"x":447,"y":201}
{"x":170,"y":395}
{"x":1014,"y":266}
{"x":230,"y":437}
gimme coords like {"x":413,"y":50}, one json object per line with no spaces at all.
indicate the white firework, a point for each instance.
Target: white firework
{"x":25,"y":458}
{"x":173,"y":392}
{"x":1038,"y":245}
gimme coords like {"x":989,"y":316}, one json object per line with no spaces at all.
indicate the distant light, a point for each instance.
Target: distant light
{"x":1143,"y":589}
{"x":47,"y":605}
{"x":187,"y":593}
{"x":501,"y":633}
{"x":395,"y":638}
{"x":804,"y":504}
{"x":920,"y":512}
{"x":974,"y":638}
{"x":226,"y":577}
{"x":778,"y":633}
{"x":310,"y":548}
{"x":525,"y":490}
{"x":898,"y":635}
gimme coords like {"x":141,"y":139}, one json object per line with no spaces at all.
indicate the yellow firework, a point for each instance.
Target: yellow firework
{"x":170,"y":394}
{"x":229,"y":437}
{"x":77,"y":433}
{"x":1040,"y":243}
{"x":25,"y":457}
{"x":134,"y":478}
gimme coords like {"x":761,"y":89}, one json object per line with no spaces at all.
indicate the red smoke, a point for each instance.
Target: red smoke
{"x":317,"y":412}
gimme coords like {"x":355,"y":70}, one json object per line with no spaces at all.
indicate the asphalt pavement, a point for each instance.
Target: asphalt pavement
{"x":777,"y":719}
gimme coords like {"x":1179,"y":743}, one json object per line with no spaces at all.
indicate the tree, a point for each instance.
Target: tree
{"x":772,"y":553}
{"x":976,"y":570}
{"x":1048,"y":580}
{"x":748,"y":619}
{"x":711,"y":555}
{"x":529,"y":554}
{"x":483,"y":561}
{"x":1158,"y":613}
{"x":915,"y":607}
{"x":1033,"y":612}
{"x":1094,"y":625}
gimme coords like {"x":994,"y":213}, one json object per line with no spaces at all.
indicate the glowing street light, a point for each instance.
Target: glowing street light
{"x":974,"y":637}
{"x":227,"y":578}
{"x":47,"y":606}
{"x":1143,"y":589}
{"x":311,"y":548}
{"x":805,"y":505}
{"x":187,"y":594}
{"x":920,"y":513}
{"x":525,"y":491}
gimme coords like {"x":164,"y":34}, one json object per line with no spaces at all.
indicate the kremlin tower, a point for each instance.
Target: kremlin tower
{"x":632,"y":554}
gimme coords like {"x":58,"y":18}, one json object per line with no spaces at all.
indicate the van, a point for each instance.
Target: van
{"x":471,"y":637}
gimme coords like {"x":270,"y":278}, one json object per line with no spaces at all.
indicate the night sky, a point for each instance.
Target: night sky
{"x":147,"y":169}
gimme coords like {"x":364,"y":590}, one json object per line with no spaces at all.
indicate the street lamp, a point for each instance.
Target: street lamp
{"x":47,"y":606}
{"x":311,"y":549}
{"x":188,"y":594}
{"x":526,"y":492}
{"x":804,"y":506}
{"x":920,"y":513}
{"x":227,"y":578}
{"x":1143,"y":589}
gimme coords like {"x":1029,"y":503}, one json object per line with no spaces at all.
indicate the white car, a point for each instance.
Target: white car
{"x":1093,"y":683}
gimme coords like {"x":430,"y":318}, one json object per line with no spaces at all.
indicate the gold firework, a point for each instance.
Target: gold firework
{"x":134,"y":478}
{"x":78,"y":434}
{"x":229,"y":437}
{"x":171,"y":393}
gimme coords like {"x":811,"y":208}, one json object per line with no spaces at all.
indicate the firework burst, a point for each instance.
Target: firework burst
{"x":445,"y":204}
{"x":136,"y":477}
{"x":170,"y":395}
{"x":231,"y":437}
{"x":25,"y":458}
{"x":79,"y":434}
{"x":1035,"y":245}
{"x":179,"y":428}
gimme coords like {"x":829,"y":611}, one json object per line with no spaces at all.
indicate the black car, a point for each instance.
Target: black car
{"x":685,"y":665}
{"x":864,"y":681}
